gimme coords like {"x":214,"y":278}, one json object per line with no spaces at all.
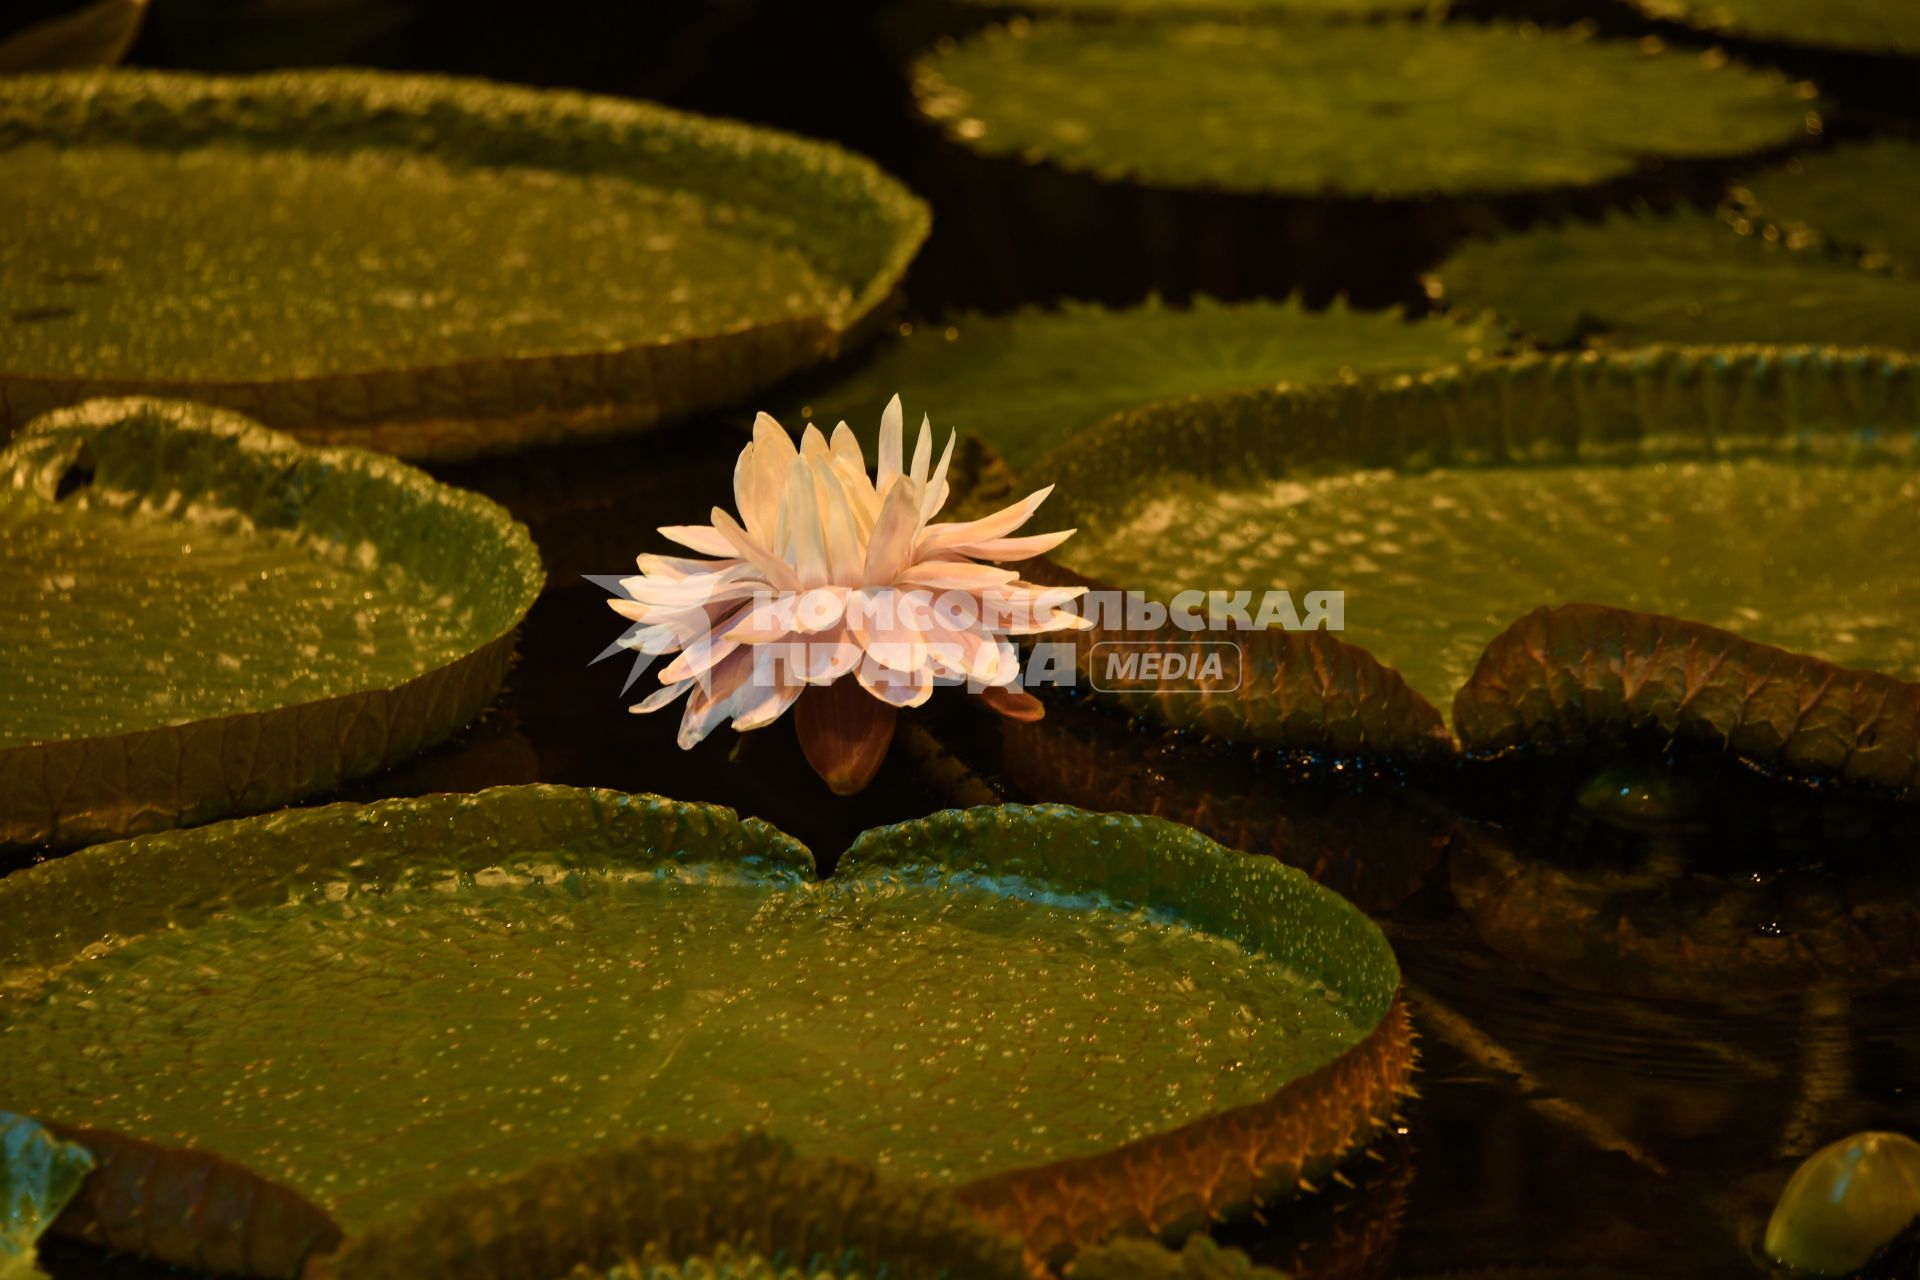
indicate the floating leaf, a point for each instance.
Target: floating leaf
{"x":221,"y":620}
{"x":420,"y":993}
{"x":1683,"y":278}
{"x":431,"y":267}
{"x":1859,"y":197}
{"x":1025,"y":382}
{"x":96,"y":36}
{"x":740,"y":1208}
{"x":1395,"y":109}
{"x":39,"y":1174}
{"x":1865,"y":26}
{"x":1740,"y":488}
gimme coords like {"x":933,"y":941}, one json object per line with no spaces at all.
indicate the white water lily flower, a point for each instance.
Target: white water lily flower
{"x":829,"y":573}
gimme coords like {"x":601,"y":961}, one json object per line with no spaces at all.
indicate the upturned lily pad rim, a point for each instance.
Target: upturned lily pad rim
{"x":847,"y":206}
{"x":1530,"y":409}
{"x":76,"y":790}
{"x":1167,"y":1182}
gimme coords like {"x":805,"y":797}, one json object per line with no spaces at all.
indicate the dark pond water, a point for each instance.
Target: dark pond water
{"x":1607,"y":1120}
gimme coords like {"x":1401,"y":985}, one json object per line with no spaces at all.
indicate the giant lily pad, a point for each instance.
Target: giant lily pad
{"x":430,"y":267}
{"x":1397,"y":109}
{"x":1753,"y":491}
{"x":1860,"y":197}
{"x":1863,"y":26}
{"x":38,"y":1176}
{"x":206,"y":617}
{"x":1684,"y":278}
{"x":1077,"y":1024}
{"x":1025,"y":382}
{"x":743,"y":1208}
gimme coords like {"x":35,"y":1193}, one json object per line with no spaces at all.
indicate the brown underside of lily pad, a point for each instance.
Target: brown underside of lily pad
{"x":191,"y":1208}
{"x":662,"y":1201}
{"x":1368,"y":842}
{"x":1568,"y":677}
{"x":1295,"y":691}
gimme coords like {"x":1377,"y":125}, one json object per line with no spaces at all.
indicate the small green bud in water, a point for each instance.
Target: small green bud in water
{"x":1845,"y":1201}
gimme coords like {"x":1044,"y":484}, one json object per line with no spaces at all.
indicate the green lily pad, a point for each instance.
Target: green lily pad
{"x":39,"y":1174}
{"x":1766,"y":492}
{"x":1859,"y":197}
{"x":1862,"y":26}
{"x":1025,"y":382}
{"x":742,"y":1208}
{"x":1397,"y":109}
{"x":1685,"y":278}
{"x":1078,"y":1024}
{"x":431,"y":267}
{"x":219,"y":619}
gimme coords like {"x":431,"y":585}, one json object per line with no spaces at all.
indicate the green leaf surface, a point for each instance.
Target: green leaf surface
{"x":1024,"y":382}
{"x":1769,"y":493}
{"x":440,"y":267}
{"x":1685,"y":278}
{"x":39,"y":1174}
{"x":1863,"y":26}
{"x":1398,"y":109}
{"x":208,"y":617}
{"x":373,"y":1005}
{"x":1857,"y":197}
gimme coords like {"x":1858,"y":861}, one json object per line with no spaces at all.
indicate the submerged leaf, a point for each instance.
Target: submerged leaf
{"x":1025,"y":382}
{"x":1687,"y":277}
{"x":1397,"y":109}
{"x":39,"y":1174}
